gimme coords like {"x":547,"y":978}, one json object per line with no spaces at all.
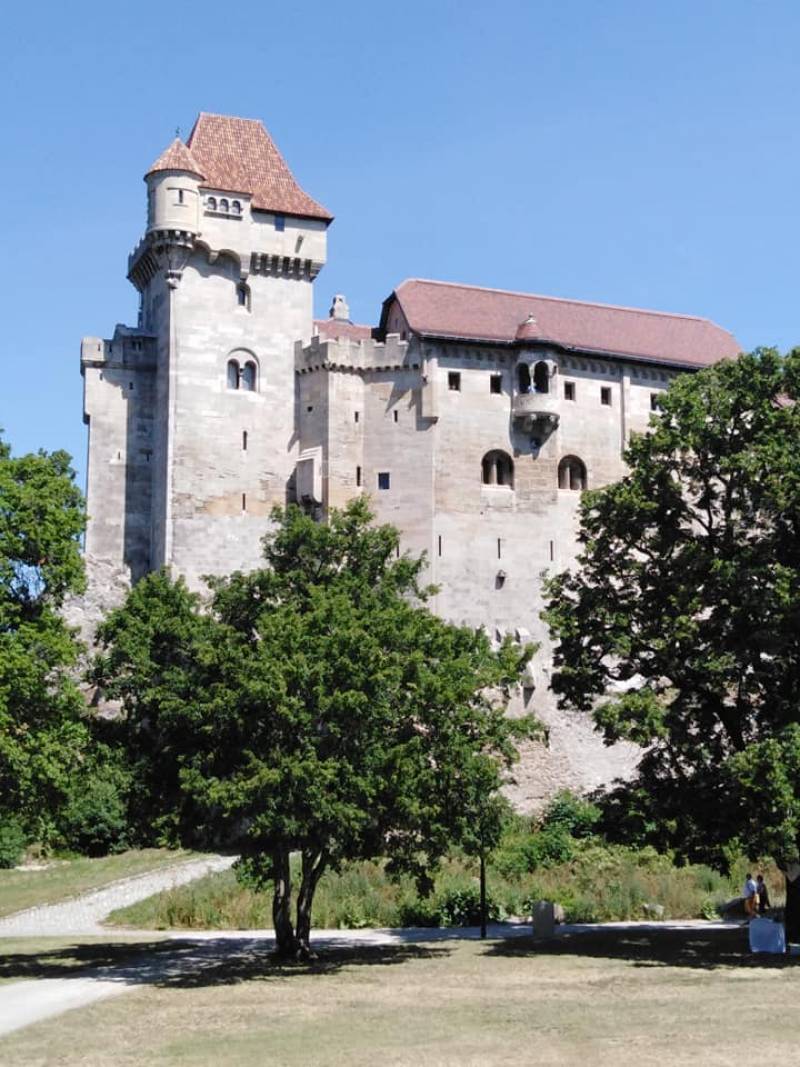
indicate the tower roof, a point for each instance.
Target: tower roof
{"x":240,"y":156}
{"x":177,"y":157}
{"x":445,"y":310}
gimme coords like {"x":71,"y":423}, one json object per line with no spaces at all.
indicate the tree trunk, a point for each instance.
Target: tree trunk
{"x":282,"y":903}
{"x":792,"y":919}
{"x":313,"y":865}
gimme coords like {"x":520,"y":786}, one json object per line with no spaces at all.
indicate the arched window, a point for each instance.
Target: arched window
{"x":249,"y":376}
{"x":243,"y":295}
{"x":497,"y":468}
{"x":524,"y":378}
{"x":541,"y":377}
{"x":571,"y":473}
{"x":236,"y":207}
{"x":211,"y":203}
{"x":233,"y":374}
{"x":223,"y":204}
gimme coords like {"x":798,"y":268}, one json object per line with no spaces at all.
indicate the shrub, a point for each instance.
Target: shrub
{"x":12,"y":842}
{"x":571,"y":814}
{"x":94,"y":821}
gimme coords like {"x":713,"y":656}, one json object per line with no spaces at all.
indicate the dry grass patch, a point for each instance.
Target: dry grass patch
{"x":651,"y":998}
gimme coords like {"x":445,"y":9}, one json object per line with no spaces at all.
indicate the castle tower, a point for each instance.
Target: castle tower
{"x":191,"y":413}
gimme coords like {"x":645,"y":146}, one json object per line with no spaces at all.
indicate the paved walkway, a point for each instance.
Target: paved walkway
{"x":84,"y":915}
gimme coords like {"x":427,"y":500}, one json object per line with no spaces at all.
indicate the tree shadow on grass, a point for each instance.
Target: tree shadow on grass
{"x":651,"y":947}
{"x":188,"y":964}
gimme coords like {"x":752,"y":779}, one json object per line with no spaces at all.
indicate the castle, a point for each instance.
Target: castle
{"x":472,"y":417}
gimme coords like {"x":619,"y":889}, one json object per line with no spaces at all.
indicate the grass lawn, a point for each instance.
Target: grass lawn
{"x":605,"y":998}
{"x":69,"y":878}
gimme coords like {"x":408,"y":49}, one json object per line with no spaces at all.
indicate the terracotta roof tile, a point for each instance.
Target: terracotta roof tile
{"x":176,"y":157}
{"x":442,"y":309}
{"x":238,"y":155}
{"x":329,"y":329}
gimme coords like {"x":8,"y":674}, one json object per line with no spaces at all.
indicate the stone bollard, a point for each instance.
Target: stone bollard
{"x":544,"y":918}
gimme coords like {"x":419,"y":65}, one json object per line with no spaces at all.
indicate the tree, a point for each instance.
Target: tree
{"x":42,"y":734}
{"x":680,"y":625}
{"x":316,"y":708}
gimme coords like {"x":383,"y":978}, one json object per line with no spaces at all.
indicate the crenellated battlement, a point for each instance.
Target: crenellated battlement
{"x":343,"y":353}
{"x":125,"y":349}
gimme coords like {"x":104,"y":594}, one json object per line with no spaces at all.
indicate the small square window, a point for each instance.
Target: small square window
{"x":605,"y":395}
{"x":496,"y":383}
{"x":569,"y":390}
{"x":280,"y":223}
{"x":655,"y":401}
{"x":454,"y":381}
{"x":383,"y":479}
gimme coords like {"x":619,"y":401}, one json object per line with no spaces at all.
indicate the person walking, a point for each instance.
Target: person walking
{"x":750,"y":895}
{"x":763,"y":895}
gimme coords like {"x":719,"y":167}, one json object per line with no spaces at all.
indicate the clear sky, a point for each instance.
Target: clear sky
{"x":630,"y":152}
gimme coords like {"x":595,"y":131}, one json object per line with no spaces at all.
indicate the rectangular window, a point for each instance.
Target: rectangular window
{"x":569,"y":390}
{"x":280,"y":223}
{"x":358,"y":476}
{"x":355,"y":416}
{"x":655,"y":401}
{"x":496,"y":383}
{"x":605,"y":395}
{"x":454,"y":381}
{"x":395,"y":413}
{"x":383,"y":479}
{"x":244,"y":440}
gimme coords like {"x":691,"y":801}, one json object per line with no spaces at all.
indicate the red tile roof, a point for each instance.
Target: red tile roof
{"x":442,"y":309}
{"x":330,"y":329}
{"x":238,"y":155}
{"x":176,"y":157}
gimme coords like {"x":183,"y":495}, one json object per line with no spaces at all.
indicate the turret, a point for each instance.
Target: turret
{"x":173,"y":191}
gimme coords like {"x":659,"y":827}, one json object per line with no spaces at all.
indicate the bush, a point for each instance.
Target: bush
{"x":12,"y":842}
{"x":94,"y":821}
{"x":571,"y":814}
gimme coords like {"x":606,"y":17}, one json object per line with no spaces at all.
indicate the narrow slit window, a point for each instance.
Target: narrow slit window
{"x":605,"y":396}
{"x":384,"y":479}
{"x":552,"y":551}
{"x":569,"y":390}
{"x":358,"y":476}
{"x":499,"y":548}
{"x":439,"y":545}
{"x":454,"y":381}
{"x":244,"y":501}
{"x":244,"y":440}
{"x":395,"y":414}
{"x":355,"y":416}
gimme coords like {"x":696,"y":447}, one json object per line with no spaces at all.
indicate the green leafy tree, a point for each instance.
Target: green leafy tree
{"x":42,"y":735}
{"x":680,"y":626}
{"x":316,"y":708}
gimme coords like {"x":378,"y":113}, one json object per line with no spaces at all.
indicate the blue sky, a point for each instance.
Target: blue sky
{"x":636,"y":153}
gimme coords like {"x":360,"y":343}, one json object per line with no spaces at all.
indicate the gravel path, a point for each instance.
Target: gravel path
{"x":84,"y":915}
